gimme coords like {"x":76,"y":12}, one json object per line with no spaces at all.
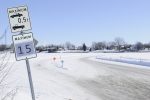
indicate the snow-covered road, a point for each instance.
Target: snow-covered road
{"x":80,"y":79}
{"x":119,"y":82}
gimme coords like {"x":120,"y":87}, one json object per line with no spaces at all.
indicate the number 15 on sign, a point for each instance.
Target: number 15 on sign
{"x":24,"y":46}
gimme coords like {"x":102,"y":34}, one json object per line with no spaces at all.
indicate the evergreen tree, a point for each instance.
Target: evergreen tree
{"x":84,"y":47}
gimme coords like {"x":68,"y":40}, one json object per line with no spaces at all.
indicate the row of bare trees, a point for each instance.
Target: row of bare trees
{"x":118,"y":44}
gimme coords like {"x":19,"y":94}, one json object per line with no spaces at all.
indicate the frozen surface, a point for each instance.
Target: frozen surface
{"x":82,"y":77}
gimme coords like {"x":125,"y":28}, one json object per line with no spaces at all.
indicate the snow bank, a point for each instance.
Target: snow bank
{"x":142,"y":59}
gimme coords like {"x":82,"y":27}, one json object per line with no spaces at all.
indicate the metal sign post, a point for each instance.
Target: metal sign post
{"x":24,"y":49}
{"x":30,"y":79}
{"x":23,"y":42}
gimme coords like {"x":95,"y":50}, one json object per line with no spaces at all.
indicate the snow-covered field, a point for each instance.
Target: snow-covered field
{"x":81,"y":77}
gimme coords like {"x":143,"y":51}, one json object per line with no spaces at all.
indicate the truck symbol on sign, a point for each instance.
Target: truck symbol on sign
{"x":17,"y":27}
{"x":17,"y":15}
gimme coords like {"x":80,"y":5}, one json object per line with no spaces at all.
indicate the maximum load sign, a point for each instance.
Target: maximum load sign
{"x":24,"y":46}
{"x":19,"y":19}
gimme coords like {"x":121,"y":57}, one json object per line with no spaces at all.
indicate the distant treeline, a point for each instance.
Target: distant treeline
{"x":118,"y":44}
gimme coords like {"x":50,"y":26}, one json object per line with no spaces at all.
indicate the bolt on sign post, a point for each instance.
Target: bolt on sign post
{"x":23,"y":42}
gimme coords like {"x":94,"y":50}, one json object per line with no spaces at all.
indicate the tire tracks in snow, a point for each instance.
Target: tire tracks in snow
{"x":120,"y":82}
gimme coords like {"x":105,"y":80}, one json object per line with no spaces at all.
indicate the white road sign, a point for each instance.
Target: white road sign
{"x":24,"y":46}
{"x":19,"y":19}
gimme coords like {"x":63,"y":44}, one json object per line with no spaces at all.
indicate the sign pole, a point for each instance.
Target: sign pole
{"x":24,"y":47}
{"x":30,"y":79}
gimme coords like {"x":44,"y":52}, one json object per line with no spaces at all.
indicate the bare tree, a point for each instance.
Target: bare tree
{"x":110,"y":45}
{"x":147,"y":45}
{"x":139,"y":46}
{"x":101,"y":45}
{"x":98,"y":45}
{"x":69,"y":46}
{"x":2,"y":47}
{"x":93,"y":46}
{"x":119,"y":43}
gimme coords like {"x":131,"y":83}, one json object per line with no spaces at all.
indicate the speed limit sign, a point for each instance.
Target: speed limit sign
{"x":19,"y":19}
{"x":24,"y":46}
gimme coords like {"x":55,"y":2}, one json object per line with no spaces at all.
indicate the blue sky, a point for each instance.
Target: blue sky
{"x":79,"y":21}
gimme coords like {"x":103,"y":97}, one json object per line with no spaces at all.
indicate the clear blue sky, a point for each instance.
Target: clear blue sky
{"x":79,"y":21}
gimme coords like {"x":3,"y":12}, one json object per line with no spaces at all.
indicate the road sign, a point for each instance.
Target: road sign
{"x":19,"y":19}
{"x":24,"y":46}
